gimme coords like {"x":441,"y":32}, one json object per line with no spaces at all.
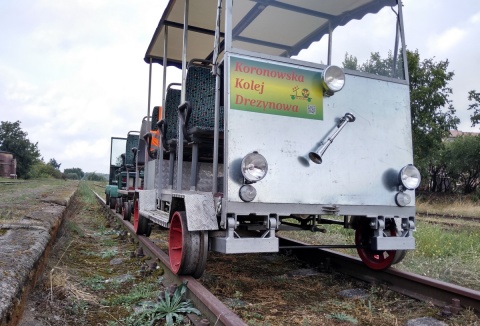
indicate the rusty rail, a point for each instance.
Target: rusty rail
{"x":416,"y":286}
{"x":211,"y":307}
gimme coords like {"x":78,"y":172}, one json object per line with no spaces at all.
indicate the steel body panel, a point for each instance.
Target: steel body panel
{"x":230,"y":245}
{"x":393,"y":243}
{"x":150,"y":170}
{"x":360,"y":167}
{"x":242,"y":208}
{"x":146,"y":200}
{"x":200,"y":210}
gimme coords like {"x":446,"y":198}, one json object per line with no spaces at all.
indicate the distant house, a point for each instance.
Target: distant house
{"x":456,"y":133}
{"x":8,"y":165}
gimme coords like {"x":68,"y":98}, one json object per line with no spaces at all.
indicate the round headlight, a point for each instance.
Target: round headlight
{"x":410,"y":177}
{"x":247,"y":193}
{"x":333,"y":79}
{"x":402,"y":199}
{"x":254,"y":167}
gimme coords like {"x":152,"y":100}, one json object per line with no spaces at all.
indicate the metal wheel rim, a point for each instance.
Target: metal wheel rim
{"x":187,"y":250}
{"x":376,"y":260}
{"x":175,"y":242}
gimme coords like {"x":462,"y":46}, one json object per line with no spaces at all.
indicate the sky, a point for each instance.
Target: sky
{"x":73,"y":72}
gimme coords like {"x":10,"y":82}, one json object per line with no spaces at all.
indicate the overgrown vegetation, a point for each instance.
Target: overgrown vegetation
{"x":455,"y":167}
{"x":170,"y":307}
{"x":94,"y":278}
{"x":448,"y":253}
{"x":20,"y":198}
{"x":272,"y":289}
{"x":41,"y":170}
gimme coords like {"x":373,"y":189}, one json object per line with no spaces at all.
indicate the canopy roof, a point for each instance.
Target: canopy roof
{"x":253,"y":22}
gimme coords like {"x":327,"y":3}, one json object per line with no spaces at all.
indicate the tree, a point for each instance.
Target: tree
{"x":433,"y":115}
{"x":54,"y":163}
{"x":76,"y":171}
{"x":13,"y":139}
{"x":376,"y":64}
{"x":462,"y":163}
{"x":475,"y":107}
{"x":438,"y":178}
{"x":350,"y":62}
{"x":95,"y":177}
{"x":41,"y":170}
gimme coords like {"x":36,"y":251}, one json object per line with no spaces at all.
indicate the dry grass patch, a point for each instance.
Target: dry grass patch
{"x":20,"y":198}
{"x":81,"y":284}
{"x":448,"y":204}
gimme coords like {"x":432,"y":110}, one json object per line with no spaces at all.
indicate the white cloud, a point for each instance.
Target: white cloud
{"x":73,"y":74}
{"x":475,"y":19}
{"x":449,"y":39}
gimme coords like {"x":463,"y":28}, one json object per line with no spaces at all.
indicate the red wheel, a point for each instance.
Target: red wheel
{"x":136,"y":215}
{"x":374,"y":259}
{"x":187,"y":249}
{"x":140,"y":223}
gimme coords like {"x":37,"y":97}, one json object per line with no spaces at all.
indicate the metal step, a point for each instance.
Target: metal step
{"x":159,"y":217}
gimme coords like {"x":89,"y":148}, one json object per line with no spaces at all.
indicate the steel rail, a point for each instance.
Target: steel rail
{"x":211,"y":307}
{"x":449,"y":216}
{"x":416,"y":286}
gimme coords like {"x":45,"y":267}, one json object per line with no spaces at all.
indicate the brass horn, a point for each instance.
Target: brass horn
{"x":316,"y":156}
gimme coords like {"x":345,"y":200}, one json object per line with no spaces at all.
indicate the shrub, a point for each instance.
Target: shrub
{"x":41,"y":170}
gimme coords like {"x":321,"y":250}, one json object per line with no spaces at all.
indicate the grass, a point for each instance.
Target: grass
{"x":343,"y":317}
{"x":20,"y":198}
{"x":138,"y":293}
{"x":171,"y":307}
{"x":261,"y":292}
{"x":82,"y":287}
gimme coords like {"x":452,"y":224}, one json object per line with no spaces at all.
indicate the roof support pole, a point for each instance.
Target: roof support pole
{"x":395,"y":49}
{"x":402,"y":35}
{"x":329,"y":56}
{"x":164,"y":90}
{"x":146,"y":173}
{"x":159,"y":175}
{"x":182,"y":97}
{"x":217,"y":99}
{"x":149,"y":94}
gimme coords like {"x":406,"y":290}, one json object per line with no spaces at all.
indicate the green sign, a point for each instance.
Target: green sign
{"x":275,"y":89}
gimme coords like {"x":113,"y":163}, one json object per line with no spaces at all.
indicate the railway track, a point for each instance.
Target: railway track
{"x":451,"y":297}
{"x":423,"y":288}
{"x":447,"y":216}
{"x":210,"y":306}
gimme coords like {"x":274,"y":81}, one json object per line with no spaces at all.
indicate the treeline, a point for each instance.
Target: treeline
{"x":29,"y":162}
{"x":455,"y":167}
